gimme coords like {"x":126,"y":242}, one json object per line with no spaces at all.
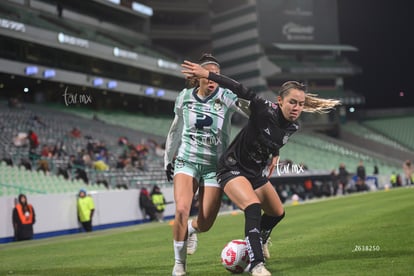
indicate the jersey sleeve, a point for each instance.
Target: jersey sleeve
{"x":239,"y":89}
{"x":174,"y":134}
{"x":173,"y":140}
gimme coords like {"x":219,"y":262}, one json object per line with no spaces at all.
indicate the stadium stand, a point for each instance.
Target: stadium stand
{"x":54,"y":129}
{"x":397,"y":129}
{"x":320,"y":153}
{"x":16,"y":180}
{"x":361,"y":129}
{"x":153,"y":125}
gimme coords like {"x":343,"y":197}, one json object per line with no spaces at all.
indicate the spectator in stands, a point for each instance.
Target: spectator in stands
{"x":33,"y":140}
{"x":76,"y":167}
{"x":120,"y":163}
{"x":151,"y":144}
{"x":158,"y":199}
{"x":145,"y":204}
{"x":142,"y":153}
{"x":408,"y":172}
{"x":21,"y":140}
{"x":361,"y":176}
{"x":241,"y":166}
{"x":58,"y":150}
{"x":160,"y":150}
{"x":199,"y":135}
{"x":63,"y":172}
{"x":86,"y":159}
{"x":75,"y":133}
{"x":100,"y":165}
{"x":33,"y":145}
{"x":45,"y":152}
{"x":43,"y":165}
{"x":26,"y":164}
{"x":23,"y":219}
{"x":343,"y":178}
{"x":123,"y":141}
{"x":86,"y":209}
{"x":36,"y":121}
{"x":8,"y":161}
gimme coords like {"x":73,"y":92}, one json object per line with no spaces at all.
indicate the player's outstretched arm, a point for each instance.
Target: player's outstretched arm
{"x":194,"y":70}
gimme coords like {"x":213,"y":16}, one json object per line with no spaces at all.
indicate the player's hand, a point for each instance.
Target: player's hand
{"x":169,"y":172}
{"x":193,"y":70}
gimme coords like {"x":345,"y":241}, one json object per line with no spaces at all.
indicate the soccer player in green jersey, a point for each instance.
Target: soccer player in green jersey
{"x":200,"y":132}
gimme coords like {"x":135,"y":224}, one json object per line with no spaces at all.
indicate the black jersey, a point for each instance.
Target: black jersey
{"x":261,"y":139}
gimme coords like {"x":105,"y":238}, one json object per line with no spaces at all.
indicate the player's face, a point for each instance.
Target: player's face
{"x":292,"y":104}
{"x":208,"y":86}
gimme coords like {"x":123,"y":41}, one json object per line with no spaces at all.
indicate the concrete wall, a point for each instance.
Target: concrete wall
{"x":56,"y":213}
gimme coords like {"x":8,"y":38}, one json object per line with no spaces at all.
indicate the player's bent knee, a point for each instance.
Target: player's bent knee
{"x":182,"y":210}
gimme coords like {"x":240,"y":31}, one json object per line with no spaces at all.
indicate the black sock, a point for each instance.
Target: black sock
{"x":252,"y":216}
{"x":267,"y":224}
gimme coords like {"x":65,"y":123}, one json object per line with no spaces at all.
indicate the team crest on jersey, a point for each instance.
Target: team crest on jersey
{"x":217,"y":105}
{"x":179,"y":163}
{"x":271,"y":104}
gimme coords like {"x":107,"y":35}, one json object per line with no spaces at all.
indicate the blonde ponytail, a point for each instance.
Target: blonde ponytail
{"x":315,"y":104}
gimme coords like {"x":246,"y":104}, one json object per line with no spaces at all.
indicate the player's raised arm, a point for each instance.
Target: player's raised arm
{"x":194,"y":70}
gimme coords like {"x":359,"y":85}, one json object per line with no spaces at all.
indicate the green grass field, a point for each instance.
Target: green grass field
{"x":361,"y":234}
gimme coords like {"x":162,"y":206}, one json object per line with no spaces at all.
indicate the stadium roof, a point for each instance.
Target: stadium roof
{"x":315,"y":47}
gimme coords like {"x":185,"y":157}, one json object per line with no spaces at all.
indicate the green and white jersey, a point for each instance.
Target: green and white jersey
{"x":201,"y":127}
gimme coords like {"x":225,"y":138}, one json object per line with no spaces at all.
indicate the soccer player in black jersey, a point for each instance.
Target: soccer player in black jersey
{"x":248,"y":162}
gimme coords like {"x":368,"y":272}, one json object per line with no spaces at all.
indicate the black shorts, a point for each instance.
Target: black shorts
{"x":224,"y":175}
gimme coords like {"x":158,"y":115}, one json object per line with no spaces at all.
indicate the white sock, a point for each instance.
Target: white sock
{"x":180,"y":251}
{"x":191,"y":229}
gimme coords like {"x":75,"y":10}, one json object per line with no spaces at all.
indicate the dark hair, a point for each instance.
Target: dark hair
{"x":20,"y":198}
{"x":206,"y":57}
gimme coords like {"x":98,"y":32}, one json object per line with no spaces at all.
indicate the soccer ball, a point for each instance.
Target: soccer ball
{"x":235,"y":257}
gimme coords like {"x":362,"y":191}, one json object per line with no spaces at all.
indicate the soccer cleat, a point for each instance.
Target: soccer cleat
{"x":192,"y":244}
{"x":178,"y":270}
{"x":266,"y":245}
{"x":260,"y":270}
